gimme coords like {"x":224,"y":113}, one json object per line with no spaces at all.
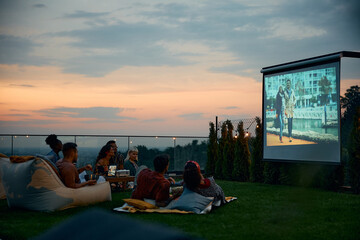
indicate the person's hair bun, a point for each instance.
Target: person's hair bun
{"x":52,"y":138}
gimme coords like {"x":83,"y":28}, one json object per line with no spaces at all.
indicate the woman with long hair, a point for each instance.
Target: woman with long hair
{"x":195,"y":181}
{"x":102,"y":160}
{"x":55,"y":145}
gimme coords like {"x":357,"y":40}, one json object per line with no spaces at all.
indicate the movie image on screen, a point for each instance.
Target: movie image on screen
{"x":301,"y":114}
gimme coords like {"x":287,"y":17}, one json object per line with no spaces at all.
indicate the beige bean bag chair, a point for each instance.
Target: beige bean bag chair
{"x":36,"y":185}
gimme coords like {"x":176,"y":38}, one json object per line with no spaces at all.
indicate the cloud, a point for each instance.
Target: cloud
{"x":191,"y":116}
{"x":85,"y":14}
{"x":246,"y":35}
{"x":154,"y":120}
{"x":19,"y":115}
{"x":96,"y":113}
{"x":22,"y":85}
{"x":120,"y":45}
{"x":233,"y":117}
{"x":39,"y":5}
{"x":17,"y":50}
{"x":290,"y":30}
{"x":231,"y":107}
{"x":28,"y":122}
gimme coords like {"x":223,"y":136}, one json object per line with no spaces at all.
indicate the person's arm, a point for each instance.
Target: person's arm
{"x":286,"y":95}
{"x":171,"y":180}
{"x":294,"y":99}
{"x":83,"y":184}
{"x":163,"y":197}
{"x":166,"y":202}
{"x":70,"y":179}
{"x":90,"y":182}
{"x":87,"y":167}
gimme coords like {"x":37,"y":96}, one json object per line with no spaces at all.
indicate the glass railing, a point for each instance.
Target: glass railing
{"x":180,"y":148}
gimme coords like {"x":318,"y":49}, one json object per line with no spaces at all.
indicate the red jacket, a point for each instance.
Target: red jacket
{"x":151,"y":185}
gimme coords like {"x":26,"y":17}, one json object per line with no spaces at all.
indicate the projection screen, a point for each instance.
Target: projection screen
{"x":301,"y":111}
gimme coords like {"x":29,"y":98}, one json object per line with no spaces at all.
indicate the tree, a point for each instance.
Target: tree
{"x":325,"y":89}
{"x":272,"y":172}
{"x":241,"y":171}
{"x":212,"y":150}
{"x":354,"y":153}
{"x":349,"y":102}
{"x":257,"y":166}
{"x":219,"y":162}
{"x":228,"y":152}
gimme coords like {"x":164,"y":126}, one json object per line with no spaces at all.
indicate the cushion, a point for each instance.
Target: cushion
{"x":3,"y":156}
{"x":106,"y":225}
{"x":34,"y":185}
{"x":140,"y":204}
{"x":192,"y":201}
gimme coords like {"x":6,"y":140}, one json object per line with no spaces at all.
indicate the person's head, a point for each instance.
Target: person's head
{"x":54,"y":143}
{"x":161,"y":163}
{"x":112,"y":143}
{"x":288,"y":83}
{"x":192,"y":175}
{"x":70,"y":151}
{"x":132,"y":154}
{"x":280,"y":89}
{"x":106,"y":151}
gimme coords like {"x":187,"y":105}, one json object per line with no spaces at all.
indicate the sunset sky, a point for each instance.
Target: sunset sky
{"x":156,"y":67}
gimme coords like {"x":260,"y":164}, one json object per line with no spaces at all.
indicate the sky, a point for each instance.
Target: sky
{"x":156,"y":67}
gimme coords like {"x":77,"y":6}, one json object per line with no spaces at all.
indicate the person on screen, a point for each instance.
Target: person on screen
{"x":118,"y":158}
{"x":56,"y":146}
{"x":103,"y":160}
{"x":290,"y":101}
{"x":280,"y":110}
{"x":131,"y":161}
{"x":68,"y":172}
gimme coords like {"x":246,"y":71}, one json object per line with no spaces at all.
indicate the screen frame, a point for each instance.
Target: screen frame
{"x":306,"y":65}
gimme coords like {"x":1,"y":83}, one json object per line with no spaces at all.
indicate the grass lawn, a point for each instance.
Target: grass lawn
{"x":260,"y":212}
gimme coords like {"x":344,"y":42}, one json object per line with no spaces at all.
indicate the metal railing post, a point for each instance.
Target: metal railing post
{"x":12,"y":145}
{"x":128,"y":143}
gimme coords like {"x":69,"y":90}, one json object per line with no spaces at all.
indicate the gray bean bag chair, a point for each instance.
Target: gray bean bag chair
{"x":36,"y":185}
{"x":80,"y":228}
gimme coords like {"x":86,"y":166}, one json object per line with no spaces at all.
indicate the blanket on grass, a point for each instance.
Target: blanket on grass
{"x":148,"y":206}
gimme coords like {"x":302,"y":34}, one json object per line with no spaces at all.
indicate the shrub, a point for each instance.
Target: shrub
{"x":257,"y":166}
{"x":212,"y":150}
{"x":354,"y":154}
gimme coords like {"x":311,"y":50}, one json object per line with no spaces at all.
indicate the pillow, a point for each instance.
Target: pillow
{"x":192,"y":201}
{"x":140,"y":204}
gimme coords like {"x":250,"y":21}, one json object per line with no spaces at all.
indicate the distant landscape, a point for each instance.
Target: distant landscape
{"x":87,"y":155}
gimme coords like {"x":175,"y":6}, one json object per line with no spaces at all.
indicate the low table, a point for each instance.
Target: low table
{"x":123,"y":180}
